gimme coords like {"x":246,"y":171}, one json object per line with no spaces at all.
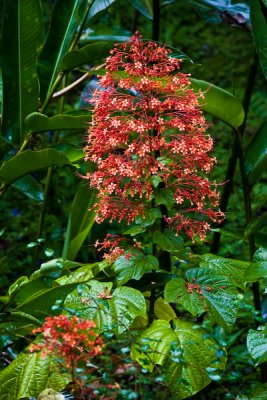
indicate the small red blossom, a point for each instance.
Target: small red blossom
{"x":72,"y":340}
{"x":147,"y":123}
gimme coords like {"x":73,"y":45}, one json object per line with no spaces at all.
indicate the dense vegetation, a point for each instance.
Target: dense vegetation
{"x":167,"y":300}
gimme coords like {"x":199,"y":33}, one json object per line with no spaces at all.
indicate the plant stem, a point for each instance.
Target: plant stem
{"x":227,"y":189}
{"x":156,"y":20}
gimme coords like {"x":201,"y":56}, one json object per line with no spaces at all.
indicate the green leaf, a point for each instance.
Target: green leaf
{"x":81,"y":220}
{"x":37,"y":122}
{"x":98,"y":6}
{"x":234,"y":270}
{"x":257,"y":344}
{"x":176,"y":291}
{"x":20,"y":45}
{"x":144,"y":7}
{"x":135,"y":230}
{"x":259,"y":32}
{"x":114,"y":312}
{"x":256,"y":155}
{"x":64,"y":22}
{"x":258,"y":269}
{"x":28,"y":375}
{"x":42,"y":304}
{"x":149,"y":217}
{"x":135,"y":266}
{"x":30,"y":187}
{"x":71,"y":151}
{"x":19,"y":317}
{"x":165,"y":197}
{"x":258,"y":393}
{"x":184,"y":354}
{"x":86,"y":55}
{"x":204,"y":291}
{"x":163,"y":310}
{"x":168,"y":240}
{"x":29,"y":161}
{"x":219,"y":103}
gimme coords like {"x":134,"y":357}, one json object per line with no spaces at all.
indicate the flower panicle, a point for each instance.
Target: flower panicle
{"x":147,"y":124}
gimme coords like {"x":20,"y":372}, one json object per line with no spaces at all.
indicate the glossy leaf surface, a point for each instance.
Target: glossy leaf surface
{"x":20,"y":45}
{"x":29,"y":161}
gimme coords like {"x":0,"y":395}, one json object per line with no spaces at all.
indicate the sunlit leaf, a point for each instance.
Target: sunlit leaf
{"x":28,"y":375}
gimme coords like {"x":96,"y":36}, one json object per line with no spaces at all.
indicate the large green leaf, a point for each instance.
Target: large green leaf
{"x":219,"y":103}
{"x":86,"y":55}
{"x":256,"y":155}
{"x":81,"y":220}
{"x":259,"y":268}
{"x":20,"y":45}
{"x":30,"y":187}
{"x":64,"y":23}
{"x":98,"y":6}
{"x":257,"y":344}
{"x":185,"y":355}
{"x":134,"y":266}
{"x":168,"y":240}
{"x":37,"y":122}
{"x":234,"y":270}
{"x":259,"y":32}
{"x":28,"y":375}
{"x":144,"y":7}
{"x":204,"y":291}
{"x":29,"y":161}
{"x":48,"y":302}
{"x":110,"y":310}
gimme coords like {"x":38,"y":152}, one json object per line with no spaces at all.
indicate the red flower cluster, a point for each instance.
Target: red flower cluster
{"x":70,"y":339}
{"x":147,"y":125}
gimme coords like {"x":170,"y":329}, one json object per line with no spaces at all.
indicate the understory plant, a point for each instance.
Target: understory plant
{"x":138,"y":262}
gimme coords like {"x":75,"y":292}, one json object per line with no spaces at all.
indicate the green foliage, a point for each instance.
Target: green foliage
{"x":220,"y":103}
{"x":113,"y":311}
{"x":20,"y":44}
{"x":257,"y":344}
{"x":256,"y":155}
{"x":43,"y":54}
{"x":204,"y":291}
{"x":135,"y":266}
{"x":28,"y":375}
{"x":184,"y":353}
{"x":259,"y":30}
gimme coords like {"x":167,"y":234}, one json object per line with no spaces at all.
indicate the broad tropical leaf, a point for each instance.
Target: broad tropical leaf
{"x":219,"y":103}
{"x":64,"y":23}
{"x":184,"y":353}
{"x":259,"y":268}
{"x":86,"y":55}
{"x":110,"y":310}
{"x":259,"y":32}
{"x":257,"y":344}
{"x":20,"y":45}
{"x":134,"y":266}
{"x":37,"y":122}
{"x":29,"y":161}
{"x":28,"y":375}
{"x":204,"y":291}
{"x":29,"y":186}
{"x":81,"y":220}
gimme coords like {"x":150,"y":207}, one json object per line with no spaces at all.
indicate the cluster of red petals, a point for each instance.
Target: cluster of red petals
{"x":72,"y":340}
{"x":147,"y":123}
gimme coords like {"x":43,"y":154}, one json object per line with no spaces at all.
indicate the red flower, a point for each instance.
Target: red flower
{"x":72,"y":340}
{"x":147,"y":123}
